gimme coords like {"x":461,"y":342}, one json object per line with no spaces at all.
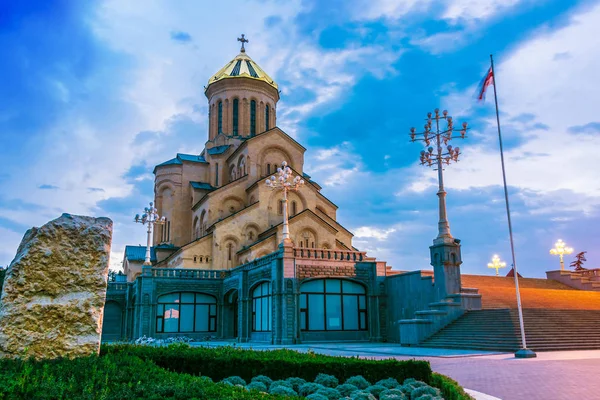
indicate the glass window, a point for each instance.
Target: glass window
{"x":220,"y":118}
{"x":332,"y":305}
{"x":186,"y":312}
{"x":261,"y":308}
{"x":252,"y":117}
{"x":267,"y":117}
{"x":236,"y":103}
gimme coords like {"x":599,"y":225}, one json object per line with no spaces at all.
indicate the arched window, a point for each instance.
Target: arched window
{"x":229,"y":251}
{"x":333,"y":305}
{"x":186,"y":312}
{"x":251,"y":236}
{"x":236,"y":104}
{"x":252,"y":118}
{"x":217,"y":174}
{"x":267,"y":117}
{"x":280,"y":207}
{"x":261,"y":308}
{"x":268,"y":169}
{"x":220,"y":118}
{"x":294,"y":208}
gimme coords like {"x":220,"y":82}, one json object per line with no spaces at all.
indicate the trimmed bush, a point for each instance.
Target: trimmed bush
{"x":375,"y":390}
{"x":316,"y":396}
{"x":281,"y":383}
{"x":361,"y":395}
{"x":329,"y":381}
{"x":263,"y":379}
{"x":329,"y":393}
{"x":256,"y":385}
{"x":282,"y":391}
{"x":234,"y":380}
{"x":346,"y":389}
{"x":450,"y":389}
{"x":358,"y":381}
{"x":222,"y":362}
{"x":389,"y":383}
{"x":423,"y":390}
{"x":412,"y":382}
{"x":393,"y":394}
{"x":296,"y":383}
{"x":309,"y":388}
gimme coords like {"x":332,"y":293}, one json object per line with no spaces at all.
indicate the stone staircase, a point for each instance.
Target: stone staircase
{"x":588,"y":279}
{"x":498,"y":330}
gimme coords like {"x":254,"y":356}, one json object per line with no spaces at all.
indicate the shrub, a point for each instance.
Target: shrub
{"x":375,"y":390}
{"x":316,"y":396}
{"x":389,"y":383}
{"x":360,"y":395}
{"x":256,"y":385}
{"x":414,"y":383}
{"x":281,"y":383}
{"x":423,"y":390}
{"x":234,"y":380}
{"x":358,"y":381}
{"x":282,"y":391}
{"x":309,"y":388}
{"x":329,"y":381}
{"x":263,"y":379}
{"x":222,"y":362}
{"x":393,"y":394}
{"x":450,"y":389}
{"x":329,"y":393}
{"x":346,"y":389}
{"x":296,"y":383}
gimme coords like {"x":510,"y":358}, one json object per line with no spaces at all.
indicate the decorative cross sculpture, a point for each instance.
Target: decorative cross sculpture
{"x":151,"y":218}
{"x":282,"y":181}
{"x":496,"y":263}
{"x":243,"y":40}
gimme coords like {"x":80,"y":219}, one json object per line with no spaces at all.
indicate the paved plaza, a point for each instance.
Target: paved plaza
{"x":552,"y":375}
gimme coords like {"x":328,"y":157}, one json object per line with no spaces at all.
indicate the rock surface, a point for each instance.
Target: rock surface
{"x":54,"y":292}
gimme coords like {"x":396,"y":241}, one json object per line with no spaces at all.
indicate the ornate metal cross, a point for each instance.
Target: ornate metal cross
{"x":243,"y":40}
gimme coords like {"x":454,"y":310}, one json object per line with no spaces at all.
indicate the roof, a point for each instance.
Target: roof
{"x":242,"y":66}
{"x":138,"y":253}
{"x":180,"y":158}
{"x":202,"y":185}
{"x":218,"y":149}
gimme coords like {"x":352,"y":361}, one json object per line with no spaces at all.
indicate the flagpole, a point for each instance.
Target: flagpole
{"x":523,"y":352}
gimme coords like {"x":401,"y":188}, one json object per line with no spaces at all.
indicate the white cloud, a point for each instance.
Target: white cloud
{"x":370,"y":232}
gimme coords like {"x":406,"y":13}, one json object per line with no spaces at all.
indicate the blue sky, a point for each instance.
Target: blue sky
{"x":94,"y":94}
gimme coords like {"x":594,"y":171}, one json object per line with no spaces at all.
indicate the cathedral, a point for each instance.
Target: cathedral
{"x":220,"y":266}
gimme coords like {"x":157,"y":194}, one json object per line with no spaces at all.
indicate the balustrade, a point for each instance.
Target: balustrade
{"x":188,"y":273}
{"x":328,"y":254}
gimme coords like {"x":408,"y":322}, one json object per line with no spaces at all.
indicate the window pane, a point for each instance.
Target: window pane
{"x":303,"y":301}
{"x":213,"y":324}
{"x":201,"y":318}
{"x":333,"y":286}
{"x":362,"y":302}
{"x":204,"y":298}
{"x":334,"y":312}
{"x":312,"y":286}
{"x":316,"y":312}
{"x":266,"y":314}
{"x":363,"y":320}
{"x":187,"y":318}
{"x":169,"y":298}
{"x":160,"y":309}
{"x":350,"y":312}
{"x":353,"y":287}
{"x":159,"y":325}
{"x":171,"y":318}
{"x":213,"y":310}
{"x":187,"y":297}
{"x":258,"y":315}
{"x":303,"y":320}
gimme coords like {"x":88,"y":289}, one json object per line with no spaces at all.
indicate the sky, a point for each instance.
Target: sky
{"x":94,"y":94}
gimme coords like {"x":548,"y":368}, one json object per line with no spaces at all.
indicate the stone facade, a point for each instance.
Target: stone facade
{"x":53,"y":297}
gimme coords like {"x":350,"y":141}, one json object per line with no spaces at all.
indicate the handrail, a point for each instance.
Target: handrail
{"x":117,"y":286}
{"x":183,"y":273}
{"x":329,"y":254}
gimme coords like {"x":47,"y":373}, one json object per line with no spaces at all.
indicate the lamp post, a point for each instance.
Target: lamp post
{"x":560,"y":249}
{"x":496,"y":263}
{"x":437,"y":156}
{"x":282,"y":180}
{"x":151,"y":218}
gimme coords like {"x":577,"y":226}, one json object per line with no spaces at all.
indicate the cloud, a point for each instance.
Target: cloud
{"x":369,"y":232}
{"x":181,"y":37}
{"x":591,"y":127}
{"x":48,"y":187}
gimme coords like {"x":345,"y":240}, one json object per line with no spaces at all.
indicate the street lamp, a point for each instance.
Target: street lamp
{"x":151,"y":218}
{"x":436,"y":157}
{"x":560,"y":249}
{"x":282,"y":180}
{"x":496,"y":263}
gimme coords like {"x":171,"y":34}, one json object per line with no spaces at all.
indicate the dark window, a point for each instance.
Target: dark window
{"x":220,"y":118}
{"x":168,"y":231}
{"x":267,"y":117}
{"x":261,"y":308}
{"x":236,"y":68}
{"x":186,"y":312}
{"x":217,"y":174}
{"x":252,"y":118}
{"x":236,"y":103}
{"x":280,"y":208}
{"x":293,"y":208}
{"x":333,"y":305}
{"x":229,"y":251}
{"x":251,"y":70}
{"x":268,"y":169}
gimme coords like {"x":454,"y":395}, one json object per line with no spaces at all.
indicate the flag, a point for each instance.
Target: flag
{"x":485,"y":82}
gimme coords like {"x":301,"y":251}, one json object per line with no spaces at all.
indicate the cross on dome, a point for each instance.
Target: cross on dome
{"x":243,"y":40}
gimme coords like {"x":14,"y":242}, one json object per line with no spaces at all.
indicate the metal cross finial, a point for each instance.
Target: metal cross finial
{"x":243,"y":40}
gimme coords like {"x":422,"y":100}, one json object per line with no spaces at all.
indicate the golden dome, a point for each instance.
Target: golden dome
{"x":242,"y":66}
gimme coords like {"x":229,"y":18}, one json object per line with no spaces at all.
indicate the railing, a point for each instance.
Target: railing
{"x":188,"y":273}
{"x":117,"y":286}
{"x":328,"y":254}
{"x":589,"y":272}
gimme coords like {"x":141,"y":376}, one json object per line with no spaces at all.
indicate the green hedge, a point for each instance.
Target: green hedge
{"x":111,"y":377}
{"x":222,"y":362}
{"x":451,"y":390}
